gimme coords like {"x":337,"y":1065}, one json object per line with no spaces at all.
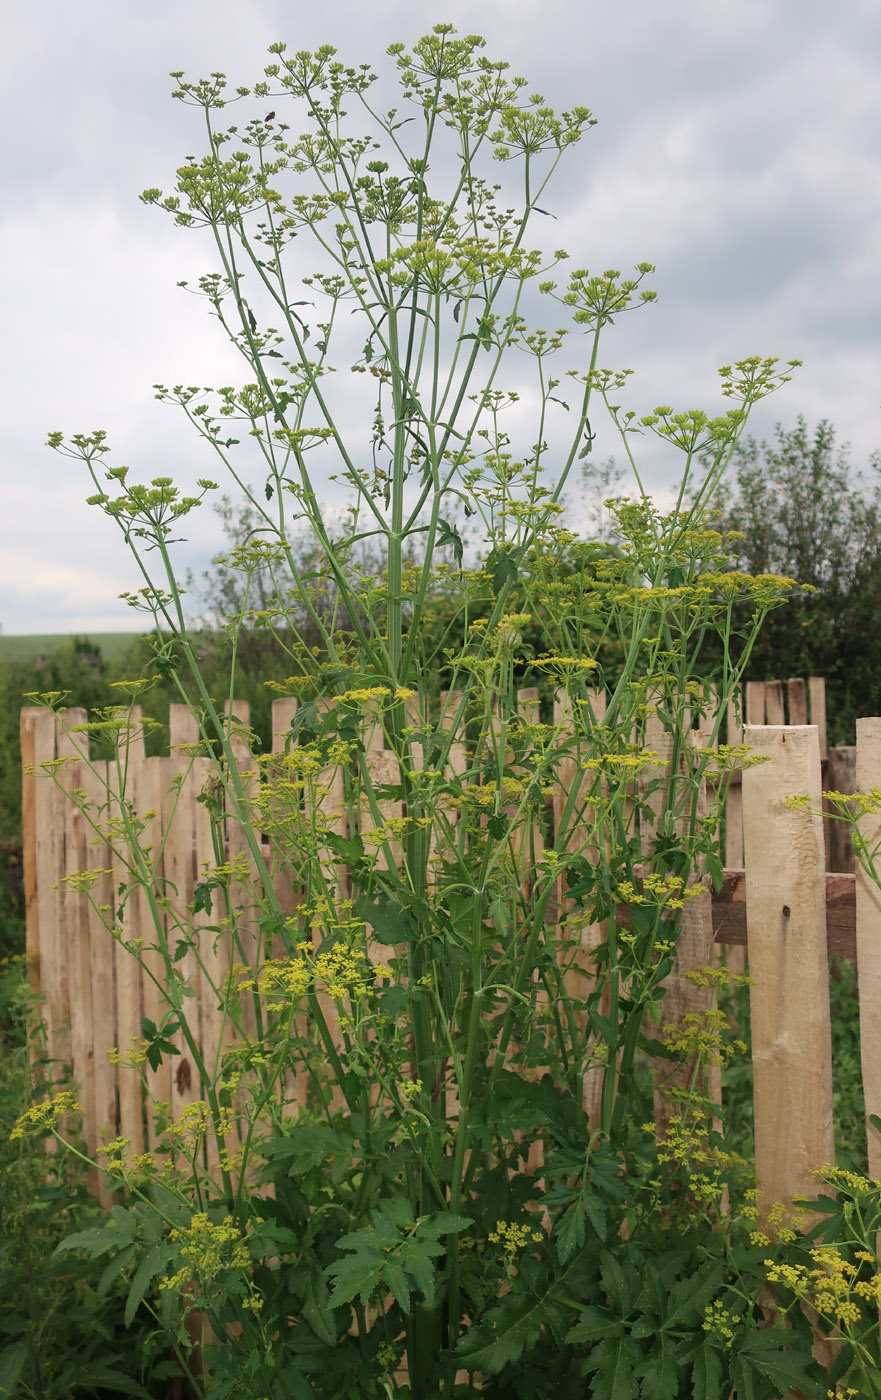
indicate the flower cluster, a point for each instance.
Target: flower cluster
{"x":832,"y":1285}
{"x":720,"y":1322}
{"x":207,"y":1250}
{"x":43,"y":1117}
{"x":513,"y":1237}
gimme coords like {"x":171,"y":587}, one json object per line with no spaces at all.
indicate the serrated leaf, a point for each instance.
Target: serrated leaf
{"x":615,"y":1281}
{"x":509,"y":1329}
{"x":445,"y":1222}
{"x":706,"y":1374}
{"x":146,"y":1271}
{"x":569,"y":1234}
{"x":593,"y":1324}
{"x":314,"y":1300}
{"x":502,"y":568}
{"x":12,"y":1361}
{"x":789,"y":1369}
{"x":448,"y":534}
{"x":396,"y":1209}
{"x":114,"y":1268}
{"x":389,"y":923}
{"x":357,"y":1274}
{"x":87,"y":1378}
{"x":612,"y":1360}
{"x":416,"y":1255}
{"x":396,"y":1280}
{"x":202,"y":898}
{"x":596,"y":1213}
{"x":658,"y":1373}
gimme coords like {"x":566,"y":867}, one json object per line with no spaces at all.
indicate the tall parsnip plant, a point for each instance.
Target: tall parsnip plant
{"x":441,"y":988}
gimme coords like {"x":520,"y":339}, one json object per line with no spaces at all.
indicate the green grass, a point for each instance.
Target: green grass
{"x":113,"y":645}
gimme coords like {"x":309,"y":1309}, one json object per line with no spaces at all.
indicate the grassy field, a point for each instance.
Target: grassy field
{"x":16,"y":649}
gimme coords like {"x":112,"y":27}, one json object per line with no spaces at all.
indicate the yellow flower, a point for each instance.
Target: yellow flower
{"x":43,"y":1117}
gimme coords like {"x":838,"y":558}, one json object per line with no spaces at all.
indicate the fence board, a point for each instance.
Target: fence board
{"x":798,"y":700}
{"x":817,"y":697}
{"x":147,"y":797}
{"x":683,"y":997}
{"x":789,"y":995}
{"x":102,"y":960}
{"x":130,"y":921}
{"x":734,"y":799}
{"x":754,"y":707}
{"x":179,"y":814}
{"x":774,"y":703}
{"x":86,"y":974}
{"x":840,"y":777}
{"x":49,"y":855}
{"x":74,"y":926}
{"x":868,"y":938}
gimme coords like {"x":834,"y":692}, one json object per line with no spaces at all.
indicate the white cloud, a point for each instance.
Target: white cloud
{"x":739,"y":147}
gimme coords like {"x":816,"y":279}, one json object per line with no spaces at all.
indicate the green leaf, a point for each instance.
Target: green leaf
{"x":615,"y":1281}
{"x":445,"y":1222}
{"x":613,"y":1361}
{"x":503,"y":569}
{"x":396,"y":1280}
{"x":12,"y":1361}
{"x":569,"y":1233}
{"x":356,"y":1274}
{"x":507,"y":1331}
{"x":416,"y":1256}
{"x":595,"y":1212}
{"x":706,"y":1373}
{"x":658,"y":1373}
{"x":88,"y":1378}
{"x":789,"y":1369}
{"x":713,"y":867}
{"x":314,"y":1298}
{"x":308,"y":1145}
{"x":389,"y":923}
{"x":115,"y":1267}
{"x":202,"y":897}
{"x":593,"y":1324}
{"x":450,"y":535}
{"x":149,"y":1267}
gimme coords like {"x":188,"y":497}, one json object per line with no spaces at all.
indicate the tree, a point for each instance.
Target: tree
{"x":804,"y":512}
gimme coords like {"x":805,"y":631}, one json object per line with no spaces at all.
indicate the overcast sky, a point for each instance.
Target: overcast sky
{"x":738,"y":148}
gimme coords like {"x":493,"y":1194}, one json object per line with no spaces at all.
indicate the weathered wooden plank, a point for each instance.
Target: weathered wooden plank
{"x":211,"y":940}
{"x":774,"y":703}
{"x":817,"y":710}
{"x":840,"y":776}
{"x":130,"y":924}
{"x":789,"y":992}
{"x":798,"y":700}
{"x":49,"y":858}
{"x":147,"y":797}
{"x":37,"y":740}
{"x":178,"y":867}
{"x":577,"y":838}
{"x":102,"y":960}
{"x":734,"y":798}
{"x":74,"y":919}
{"x":868,"y":938}
{"x":729,"y":913}
{"x":684,"y":997}
{"x":754,"y":709}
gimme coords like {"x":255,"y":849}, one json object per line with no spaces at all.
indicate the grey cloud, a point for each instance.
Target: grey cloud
{"x":738,"y":147}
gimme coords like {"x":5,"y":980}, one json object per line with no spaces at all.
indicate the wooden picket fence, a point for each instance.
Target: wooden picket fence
{"x":778,"y":897}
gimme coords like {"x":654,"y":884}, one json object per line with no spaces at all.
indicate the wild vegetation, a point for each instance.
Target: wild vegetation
{"x":508,"y":1177}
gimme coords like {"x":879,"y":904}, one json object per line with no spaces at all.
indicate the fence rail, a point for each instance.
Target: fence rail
{"x":782,"y":897}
